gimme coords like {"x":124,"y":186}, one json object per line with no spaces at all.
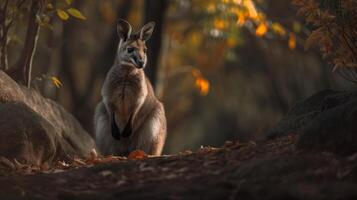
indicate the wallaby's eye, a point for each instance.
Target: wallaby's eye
{"x":130,"y":49}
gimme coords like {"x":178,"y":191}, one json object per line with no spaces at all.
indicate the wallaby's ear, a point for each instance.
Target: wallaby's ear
{"x":146,"y":31}
{"x":123,"y":29}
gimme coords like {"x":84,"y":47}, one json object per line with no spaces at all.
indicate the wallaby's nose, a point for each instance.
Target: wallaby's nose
{"x":141,"y":63}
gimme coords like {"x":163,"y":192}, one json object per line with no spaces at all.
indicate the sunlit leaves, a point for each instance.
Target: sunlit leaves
{"x":292,"y":41}
{"x":201,"y":83}
{"x":76,"y":13}
{"x":278,"y":29}
{"x":203,"y":86}
{"x":216,"y":34}
{"x":241,"y":18}
{"x":231,"y":42}
{"x":62,"y":14}
{"x":261,"y":30}
{"x":64,"y":11}
{"x":211,"y":7}
{"x":56,"y":81}
{"x":220,"y":24}
{"x":249,"y":5}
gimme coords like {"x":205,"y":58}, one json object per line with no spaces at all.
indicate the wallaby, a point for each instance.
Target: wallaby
{"x":130,"y":117}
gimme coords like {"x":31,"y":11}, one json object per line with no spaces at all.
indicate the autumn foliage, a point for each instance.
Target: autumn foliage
{"x":335,"y":29}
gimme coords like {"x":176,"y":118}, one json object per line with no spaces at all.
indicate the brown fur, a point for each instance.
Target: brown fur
{"x":129,"y":101}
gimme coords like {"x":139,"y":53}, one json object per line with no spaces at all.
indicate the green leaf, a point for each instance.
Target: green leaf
{"x":62,"y":14}
{"x":76,"y":13}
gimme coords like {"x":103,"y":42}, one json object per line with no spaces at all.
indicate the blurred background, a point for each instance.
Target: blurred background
{"x":224,"y":69}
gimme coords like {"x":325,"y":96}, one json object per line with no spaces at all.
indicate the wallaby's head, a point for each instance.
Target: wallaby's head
{"x":132,"y":47}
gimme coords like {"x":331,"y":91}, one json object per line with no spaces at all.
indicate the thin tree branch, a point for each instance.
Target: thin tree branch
{"x":5,"y":6}
{"x":23,"y":68}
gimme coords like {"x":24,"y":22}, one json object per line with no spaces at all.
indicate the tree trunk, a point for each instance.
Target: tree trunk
{"x":3,"y":37}
{"x":154,"y":11}
{"x":103,"y":62}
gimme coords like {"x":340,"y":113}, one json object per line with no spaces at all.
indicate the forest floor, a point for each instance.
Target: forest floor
{"x":269,"y":170}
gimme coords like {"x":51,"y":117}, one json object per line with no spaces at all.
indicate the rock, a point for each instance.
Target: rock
{"x":25,"y":135}
{"x":334,"y":130}
{"x":35,"y":129}
{"x":325,"y":121}
{"x":301,"y":114}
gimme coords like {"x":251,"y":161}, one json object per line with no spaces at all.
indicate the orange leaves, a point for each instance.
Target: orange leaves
{"x":220,"y":24}
{"x":201,"y":83}
{"x":137,"y":155}
{"x":241,"y":19}
{"x":261,"y":30}
{"x":292,"y":41}
{"x":249,"y":5}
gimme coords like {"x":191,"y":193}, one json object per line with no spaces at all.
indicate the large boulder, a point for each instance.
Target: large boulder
{"x":302,"y":113}
{"x":334,"y":130}
{"x":34,"y":129}
{"x":325,"y":121}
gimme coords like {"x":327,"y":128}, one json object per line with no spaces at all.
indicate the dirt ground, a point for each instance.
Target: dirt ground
{"x":267,"y":170}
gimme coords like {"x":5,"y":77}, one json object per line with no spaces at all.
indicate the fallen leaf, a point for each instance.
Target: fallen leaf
{"x":292,"y":41}
{"x":137,"y":154}
{"x":106,"y":173}
{"x":79,"y":161}
{"x":120,"y":183}
{"x":145,"y":168}
{"x":63,"y":164}
{"x":7,"y":163}
{"x":171,"y":176}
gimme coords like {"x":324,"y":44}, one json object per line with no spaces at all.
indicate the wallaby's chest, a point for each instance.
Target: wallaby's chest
{"x":125,"y":91}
